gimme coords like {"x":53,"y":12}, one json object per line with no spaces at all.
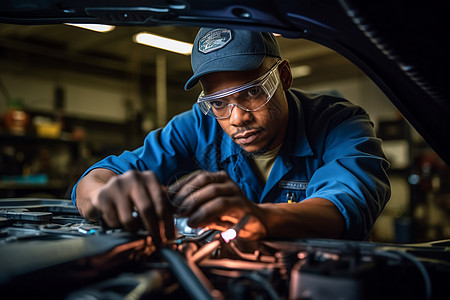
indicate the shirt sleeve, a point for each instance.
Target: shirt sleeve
{"x":168,"y":151}
{"x":353,"y":176}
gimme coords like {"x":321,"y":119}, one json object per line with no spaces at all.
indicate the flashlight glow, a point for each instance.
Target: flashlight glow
{"x":229,"y":235}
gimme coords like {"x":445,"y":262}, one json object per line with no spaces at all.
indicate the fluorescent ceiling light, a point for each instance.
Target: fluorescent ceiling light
{"x":300,"y":71}
{"x":157,"y":41}
{"x":94,"y":27}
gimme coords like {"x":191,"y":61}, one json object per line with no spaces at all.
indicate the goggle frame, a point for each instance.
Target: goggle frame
{"x":268,"y":82}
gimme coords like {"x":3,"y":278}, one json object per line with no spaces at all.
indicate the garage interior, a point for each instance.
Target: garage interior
{"x":82,"y":95}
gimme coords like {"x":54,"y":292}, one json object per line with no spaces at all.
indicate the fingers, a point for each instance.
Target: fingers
{"x":137,"y":192}
{"x":179,"y":183}
{"x":209,"y":197}
{"x":224,"y":194}
{"x":127,"y":204}
{"x":215,"y":201}
{"x":217,"y":210}
{"x":156,"y":214}
{"x":105,"y":204}
{"x":205,"y":197}
{"x":199,"y":188}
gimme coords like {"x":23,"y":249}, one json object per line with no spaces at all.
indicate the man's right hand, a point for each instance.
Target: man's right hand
{"x":131,"y":201}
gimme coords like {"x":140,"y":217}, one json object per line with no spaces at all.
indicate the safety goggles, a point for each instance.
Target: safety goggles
{"x":249,"y":97}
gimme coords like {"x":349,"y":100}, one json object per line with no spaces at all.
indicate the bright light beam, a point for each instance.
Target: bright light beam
{"x":228,"y":235}
{"x":94,"y":27}
{"x":301,"y":71}
{"x":164,"y":43}
{"x":232,"y":233}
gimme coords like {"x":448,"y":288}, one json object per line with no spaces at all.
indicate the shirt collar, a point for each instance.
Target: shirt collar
{"x":296,"y":140}
{"x":228,"y":147}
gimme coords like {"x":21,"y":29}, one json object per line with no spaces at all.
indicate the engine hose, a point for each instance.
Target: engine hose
{"x":185,"y":276}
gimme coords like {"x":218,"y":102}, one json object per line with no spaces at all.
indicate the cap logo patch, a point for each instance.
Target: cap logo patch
{"x":214,"y":40}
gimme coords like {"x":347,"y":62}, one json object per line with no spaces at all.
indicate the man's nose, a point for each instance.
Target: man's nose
{"x":239,"y":116}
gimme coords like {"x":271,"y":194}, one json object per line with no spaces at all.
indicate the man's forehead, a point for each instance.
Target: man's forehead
{"x":218,"y":81}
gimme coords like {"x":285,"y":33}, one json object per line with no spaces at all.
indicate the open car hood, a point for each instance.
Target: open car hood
{"x":50,"y":250}
{"x":399,"y":44}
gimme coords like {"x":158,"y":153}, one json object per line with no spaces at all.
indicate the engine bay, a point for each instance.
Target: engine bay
{"x":48,"y":250}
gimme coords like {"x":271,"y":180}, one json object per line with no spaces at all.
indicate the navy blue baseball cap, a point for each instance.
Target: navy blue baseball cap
{"x":221,"y":49}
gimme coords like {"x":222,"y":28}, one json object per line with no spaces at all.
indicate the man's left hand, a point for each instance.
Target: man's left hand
{"x":214,"y":201}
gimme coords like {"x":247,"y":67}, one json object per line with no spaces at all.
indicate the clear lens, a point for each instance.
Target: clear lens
{"x":249,"y":97}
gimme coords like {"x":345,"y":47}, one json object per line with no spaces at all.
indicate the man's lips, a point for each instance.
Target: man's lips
{"x":246,"y":136}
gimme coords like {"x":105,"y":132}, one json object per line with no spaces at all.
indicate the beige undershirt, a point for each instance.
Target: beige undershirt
{"x":263,"y":164}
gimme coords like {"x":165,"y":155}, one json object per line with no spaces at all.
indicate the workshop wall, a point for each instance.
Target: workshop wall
{"x":86,"y":100}
{"x":361,"y":91}
{"x":122,"y":112}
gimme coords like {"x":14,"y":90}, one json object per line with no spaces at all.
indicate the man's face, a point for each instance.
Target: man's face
{"x":255,"y":131}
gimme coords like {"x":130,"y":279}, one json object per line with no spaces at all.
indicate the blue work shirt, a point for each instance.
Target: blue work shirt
{"x":330,"y":151}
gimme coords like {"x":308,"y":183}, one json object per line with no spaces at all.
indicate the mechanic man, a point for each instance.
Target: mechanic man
{"x":301,"y":165}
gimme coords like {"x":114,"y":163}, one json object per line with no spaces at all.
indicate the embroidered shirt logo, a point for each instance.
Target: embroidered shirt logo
{"x":214,"y":40}
{"x":299,"y":185}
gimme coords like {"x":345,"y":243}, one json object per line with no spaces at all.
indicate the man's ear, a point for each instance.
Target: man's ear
{"x":285,"y":74}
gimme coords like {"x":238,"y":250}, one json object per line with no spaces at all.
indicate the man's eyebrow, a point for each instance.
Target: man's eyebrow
{"x":226,"y":98}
